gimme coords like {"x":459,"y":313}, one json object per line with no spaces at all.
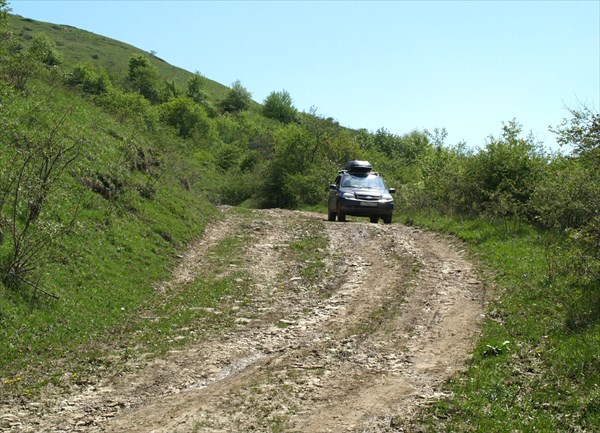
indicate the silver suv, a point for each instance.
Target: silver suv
{"x":358,"y":191}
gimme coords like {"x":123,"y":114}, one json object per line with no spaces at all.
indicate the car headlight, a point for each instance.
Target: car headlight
{"x":348,"y":195}
{"x":386,"y":198}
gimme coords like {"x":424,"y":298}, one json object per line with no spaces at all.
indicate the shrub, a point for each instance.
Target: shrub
{"x":185,"y":116}
{"x":17,"y":66}
{"x":279,"y":106}
{"x":89,"y":80}
{"x":32,"y":168}
{"x":44,"y":50}
{"x":143,"y":78}
{"x":129,"y":106}
{"x":197,"y":89}
{"x":238,"y":98}
{"x":568,"y":196}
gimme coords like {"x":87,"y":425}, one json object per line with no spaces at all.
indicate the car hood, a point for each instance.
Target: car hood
{"x":367,"y":193}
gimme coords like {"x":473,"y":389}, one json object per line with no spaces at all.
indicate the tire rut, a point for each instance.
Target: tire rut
{"x":393,"y":314}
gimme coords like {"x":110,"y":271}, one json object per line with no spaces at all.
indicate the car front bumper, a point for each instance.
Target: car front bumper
{"x":366,"y":208}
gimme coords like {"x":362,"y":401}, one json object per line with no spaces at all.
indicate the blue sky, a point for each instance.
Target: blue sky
{"x":466,"y":66}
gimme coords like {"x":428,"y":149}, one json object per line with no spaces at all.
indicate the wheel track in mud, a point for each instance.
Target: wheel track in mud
{"x":395,"y":313}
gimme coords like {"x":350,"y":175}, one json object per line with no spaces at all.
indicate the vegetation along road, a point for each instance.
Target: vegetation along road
{"x":338,"y":327}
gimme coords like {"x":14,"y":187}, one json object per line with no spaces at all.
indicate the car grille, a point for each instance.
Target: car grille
{"x":367,"y":196}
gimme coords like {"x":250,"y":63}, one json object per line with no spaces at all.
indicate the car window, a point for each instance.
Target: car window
{"x":352,"y":181}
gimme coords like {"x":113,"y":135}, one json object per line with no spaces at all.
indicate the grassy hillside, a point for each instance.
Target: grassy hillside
{"x":126,"y":232}
{"x":79,"y":46}
{"x":82,"y":250}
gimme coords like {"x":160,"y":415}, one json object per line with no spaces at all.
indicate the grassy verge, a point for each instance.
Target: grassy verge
{"x":151,"y":324}
{"x":103,"y":269}
{"x":537,"y":364}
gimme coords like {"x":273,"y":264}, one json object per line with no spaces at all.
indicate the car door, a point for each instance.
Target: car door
{"x":333,"y":195}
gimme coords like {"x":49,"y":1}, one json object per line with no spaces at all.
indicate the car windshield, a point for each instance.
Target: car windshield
{"x":370,"y":181}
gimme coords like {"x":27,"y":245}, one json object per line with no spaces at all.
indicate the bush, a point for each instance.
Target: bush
{"x":279,"y":106}
{"x":129,"y":106}
{"x":89,"y":80}
{"x":32,"y":168}
{"x":238,"y":98}
{"x":44,"y":51}
{"x":506,"y":171}
{"x":442,"y":181}
{"x":17,"y":66}
{"x":197,"y":89}
{"x":186,"y":117}
{"x":566,"y":195}
{"x":143,"y":78}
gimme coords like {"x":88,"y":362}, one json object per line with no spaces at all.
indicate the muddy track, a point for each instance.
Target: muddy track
{"x":389,"y":314}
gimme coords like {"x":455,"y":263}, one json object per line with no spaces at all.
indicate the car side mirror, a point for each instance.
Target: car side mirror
{"x":392,"y":190}
{"x":332,"y":186}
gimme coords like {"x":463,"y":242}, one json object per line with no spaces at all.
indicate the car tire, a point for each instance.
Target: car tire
{"x":331,"y":216}
{"x":387,"y":219}
{"x":374,"y":219}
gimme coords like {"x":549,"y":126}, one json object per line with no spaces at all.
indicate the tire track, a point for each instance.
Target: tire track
{"x":395,"y":313}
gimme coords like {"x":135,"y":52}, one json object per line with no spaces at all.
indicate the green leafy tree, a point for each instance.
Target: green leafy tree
{"x":90,"y":80}
{"x":568,"y":195}
{"x":32,"y":171}
{"x":4,"y":10}
{"x":582,"y":133}
{"x":17,"y":65}
{"x":279,"y":106}
{"x":44,"y":50}
{"x":442,"y":181}
{"x":292,"y":178}
{"x":323,"y":130}
{"x":505,"y":172}
{"x":385,"y":142}
{"x":238,"y":98}
{"x":144,"y":78}
{"x":197,"y":88}
{"x":170,"y":90}
{"x":186,"y":116}
{"x":406,"y":147}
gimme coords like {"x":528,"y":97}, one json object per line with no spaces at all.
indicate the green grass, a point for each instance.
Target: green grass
{"x":105,"y":268}
{"x":124,"y":316}
{"x":311,"y":250}
{"x":537,"y":364}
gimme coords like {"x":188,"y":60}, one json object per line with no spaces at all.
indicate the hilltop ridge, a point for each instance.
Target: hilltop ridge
{"x":78,"y":45}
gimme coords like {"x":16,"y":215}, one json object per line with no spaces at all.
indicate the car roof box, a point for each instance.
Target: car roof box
{"x":356,"y":166}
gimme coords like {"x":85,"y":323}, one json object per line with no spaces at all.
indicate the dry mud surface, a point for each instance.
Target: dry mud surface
{"x":394,"y":312}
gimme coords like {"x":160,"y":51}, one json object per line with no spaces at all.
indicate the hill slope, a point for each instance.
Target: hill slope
{"x":82,"y":46}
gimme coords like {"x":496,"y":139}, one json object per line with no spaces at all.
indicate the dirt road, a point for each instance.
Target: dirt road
{"x":355,"y":338}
